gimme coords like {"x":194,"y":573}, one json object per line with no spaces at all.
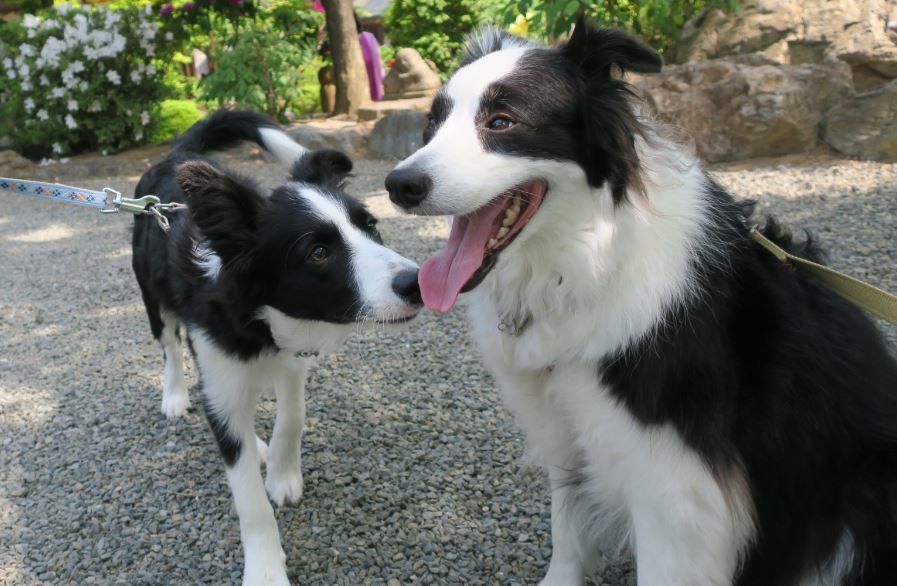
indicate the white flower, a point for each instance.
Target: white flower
{"x":57,"y":148}
{"x":63,"y":8}
{"x":144,"y":117}
{"x":151,"y":69}
{"x":30,"y":21}
{"x":29,"y":104}
{"x":135,"y":76}
{"x":50,"y":24}
{"x":94,"y":107}
{"x":44,"y":80}
{"x":72,"y":106}
{"x":113,"y":77}
{"x":11,"y":73}
{"x":82,"y":85}
{"x":42,"y":115}
{"x":26,"y":50}
{"x":7,"y":63}
{"x":168,"y":36}
{"x":24,"y":70}
{"x":26,"y":86}
{"x":58,"y":92}
{"x":70,"y":122}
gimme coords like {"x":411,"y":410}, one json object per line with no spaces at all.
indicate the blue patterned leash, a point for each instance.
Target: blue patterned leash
{"x":109,"y":201}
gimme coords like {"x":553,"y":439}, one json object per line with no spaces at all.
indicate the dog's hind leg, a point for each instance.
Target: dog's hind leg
{"x":284,"y":481}
{"x":175,"y":399}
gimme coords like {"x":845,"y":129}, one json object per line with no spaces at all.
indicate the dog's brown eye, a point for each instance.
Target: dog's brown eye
{"x":318,"y":254}
{"x":500,"y":123}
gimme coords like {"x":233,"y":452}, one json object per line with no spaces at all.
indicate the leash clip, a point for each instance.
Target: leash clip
{"x":127,"y":204}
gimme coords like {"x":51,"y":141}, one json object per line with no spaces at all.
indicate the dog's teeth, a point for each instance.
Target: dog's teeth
{"x":492,"y":242}
{"x":502,"y":232}
{"x":510,"y":217}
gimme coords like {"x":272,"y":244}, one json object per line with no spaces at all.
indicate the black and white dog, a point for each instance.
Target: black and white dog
{"x":691,"y":399}
{"x":261,"y":282}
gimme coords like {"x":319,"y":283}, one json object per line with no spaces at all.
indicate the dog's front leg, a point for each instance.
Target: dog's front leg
{"x":284,"y":481}
{"x":230,"y":408}
{"x":566,"y":567}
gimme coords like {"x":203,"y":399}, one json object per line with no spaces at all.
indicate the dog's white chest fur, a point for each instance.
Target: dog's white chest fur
{"x":616,"y":483}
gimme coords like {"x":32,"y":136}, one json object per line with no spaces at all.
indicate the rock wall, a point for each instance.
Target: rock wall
{"x":782,"y":76}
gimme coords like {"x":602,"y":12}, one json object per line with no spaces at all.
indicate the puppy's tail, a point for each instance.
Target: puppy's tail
{"x":225,"y":128}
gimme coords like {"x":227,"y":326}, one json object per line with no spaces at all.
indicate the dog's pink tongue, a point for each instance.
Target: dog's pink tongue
{"x":442,"y":277}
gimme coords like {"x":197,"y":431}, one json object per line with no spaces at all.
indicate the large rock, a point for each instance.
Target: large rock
{"x":862,"y":33}
{"x":12,"y":164}
{"x":866,"y":126}
{"x":398,"y":135}
{"x":747,"y":106}
{"x":410,"y":77}
{"x":346,"y":136}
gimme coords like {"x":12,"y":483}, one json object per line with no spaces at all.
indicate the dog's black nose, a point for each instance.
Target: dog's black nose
{"x":408,"y":187}
{"x":406,"y":287}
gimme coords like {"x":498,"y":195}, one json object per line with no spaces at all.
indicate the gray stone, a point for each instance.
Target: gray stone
{"x":348,"y":137}
{"x":398,"y":135}
{"x":747,"y":106}
{"x":866,"y":126}
{"x":12,"y":164}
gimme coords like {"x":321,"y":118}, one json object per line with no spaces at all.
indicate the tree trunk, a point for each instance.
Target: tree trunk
{"x":349,"y":73}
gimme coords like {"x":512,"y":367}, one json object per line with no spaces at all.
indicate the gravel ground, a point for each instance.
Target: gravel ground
{"x":414,"y":471}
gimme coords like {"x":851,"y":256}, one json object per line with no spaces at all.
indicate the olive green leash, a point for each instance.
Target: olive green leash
{"x":874,"y":300}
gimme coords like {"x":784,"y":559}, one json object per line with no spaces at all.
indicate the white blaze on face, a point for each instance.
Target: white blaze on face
{"x":374,"y":266}
{"x":465,"y":176}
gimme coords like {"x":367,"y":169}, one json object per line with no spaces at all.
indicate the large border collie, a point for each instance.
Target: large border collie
{"x":692,"y":400}
{"x":261,"y":283}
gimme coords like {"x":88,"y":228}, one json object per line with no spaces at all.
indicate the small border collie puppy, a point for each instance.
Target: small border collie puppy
{"x":692,"y":400}
{"x":261,"y":283}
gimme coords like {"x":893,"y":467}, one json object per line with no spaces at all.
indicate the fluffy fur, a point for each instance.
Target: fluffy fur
{"x":693,"y":401}
{"x":261,"y":283}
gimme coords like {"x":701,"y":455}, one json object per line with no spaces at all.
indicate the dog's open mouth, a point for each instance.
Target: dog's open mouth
{"x":474,"y":244}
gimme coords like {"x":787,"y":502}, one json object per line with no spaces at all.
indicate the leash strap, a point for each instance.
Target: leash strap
{"x":57,"y":191}
{"x":108,"y":200}
{"x":874,"y":300}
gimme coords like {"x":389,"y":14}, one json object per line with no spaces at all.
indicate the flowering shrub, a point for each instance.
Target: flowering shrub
{"x":80,"y":78}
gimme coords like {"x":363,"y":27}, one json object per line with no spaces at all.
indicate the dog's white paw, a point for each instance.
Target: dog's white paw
{"x":175,"y":403}
{"x":560,"y":574}
{"x":285,"y":487}
{"x":265,"y":572}
{"x":262,"y":448}
{"x":265,"y":567}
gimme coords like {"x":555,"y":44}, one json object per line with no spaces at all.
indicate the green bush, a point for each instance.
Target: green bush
{"x":259,"y":53}
{"x":81,"y":78}
{"x":436,"y":28}
{"x":171,"y":118}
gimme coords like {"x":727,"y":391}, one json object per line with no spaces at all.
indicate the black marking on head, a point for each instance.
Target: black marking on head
{"x":228,"y":445}
{"x":439,"y":111}
{"x":567,"y":105}
{"x":488,"y":39}
{"x":298,"y":284}
{"x":327,"y":168}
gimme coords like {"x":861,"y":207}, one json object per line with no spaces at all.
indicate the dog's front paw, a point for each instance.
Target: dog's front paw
{"x":266,"y":570}
{"x":563,"y":574}
{"x":284,"y":487}
{"x":175,"y":403}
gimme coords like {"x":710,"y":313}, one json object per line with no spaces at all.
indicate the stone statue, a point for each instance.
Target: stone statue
{"x":410,"y":77}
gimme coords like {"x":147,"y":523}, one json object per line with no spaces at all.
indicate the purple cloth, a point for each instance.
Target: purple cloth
{"x":370,"y":50}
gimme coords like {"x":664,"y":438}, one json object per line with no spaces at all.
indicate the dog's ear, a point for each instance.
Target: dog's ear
{"x":325,"y":167}
{"x":597,"y":50}
{"x":224,"y":208}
